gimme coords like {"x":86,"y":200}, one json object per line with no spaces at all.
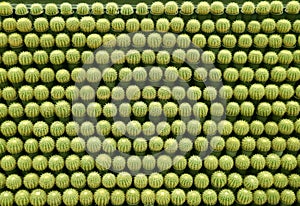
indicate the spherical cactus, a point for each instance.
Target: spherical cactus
{"x":9,"y":58}
{"x":292,"y":7}
{"x":36,"y":9}
{"x":70,"y":197}
{"x":82,"y":9}
{"x":244,"y":196}
{"x":54,"y":198}
{"x":273,"y":196}
{"x":157,"y":8}
{"x":101,"y":196}
{"x":72,"y":24}
{"x":253,"y":27}
{"x":234,"y":180}
{"x":245,"y":41}
{"x":217,"y":8}
{"x":293,"y":74}
{"x":77,"y":145}
{"x":171,"y":8}
{"x":22,"y":197}
{"x":139,"y":145}
{"x":214,"y":41}
{"x":7,"y":198}
{"x":248,"y":7}
{"x":111,"y":9}
{"x":226,"y":197}
{"x":222,"y":25}
{"x":14,"y":145}
{"x":211,"y":162}
{"x":224,"y":56}
{"x":202,"y":8}
{"x":56,"y":163}
{"x":179,"y":163}
{"x":286,"y":91}
{"x":178,"y":197}
{"x":24,"y":25}
{"x":97,"y":8}
{"x":285,"y":57}
{"x":229,"y":41}
{"x":13,"y":182}
{"x":177,"y":24}
{"x":47,"y":181}
{"x":51,"y":9}
{"x":242,"y":162}
{"x":260,"y":40}
{"x":265,"y":179}
{"x":250,"y":182}
{"x":255,"y":57}
{"x":162,"y":25}
{"x":93,"y":180}
{"x":39,"y":163}
{"x":66,"y":9}
{"x":209,"y":197}
{"x":15,"y":40}
{"x":6,"y":9}
{"x":62,"y":181}
{"x":218,"y":179}
{"x":142,"y":9}
{"x":9,"y":25}
{"x":147,"y":197}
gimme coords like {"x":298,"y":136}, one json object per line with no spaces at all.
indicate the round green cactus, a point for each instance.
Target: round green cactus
{"x":155,"y":180}
{"x":234,"y":180}
{"x":248,"y":7}
{"x":171,"y":8}
{"x":199,"y":40}
{"x":244,"y":196}
{"x":142,"y":9}
{"x":103,"y":25}
{"x":36,"y":9}
{"x":232,"y":9}
{"x":178,"y":197}
{"x":211,"y":162}
{"x":214,"y":41}
{"x":72,"y":24}
{"x":93,"y":180}
{"x":6,"y":9}
{"x":202,"y":8}
{"x":253,"y":27}
{"x":66,"y":9}
{"x":177,"y":24}
{"x":25,"y":128}
{"x":24,"y":25}
{"x":15,"y":75}
{"x":195,"y":162}
{"x":56,"y":163}
{"x":126,"y":10}
{"x":8,"y":128}
{"x":283,"y":26}
{"x":271,"y":128}
{"x":62,"y":181}
{"x":222,"y":25}
{"x":118,"y":25}
{"x":163,"y":197}
{"x":292,"y":7}
{"x":218,"y":179}
{"x":285,"y":57}
{"x":70,"y":197}
{"x":265,"y":179}
{"x":13,"y":182}
{"x":242,"y":162}
{"x":140,"y":181}
{"x":280,"y":180}
{"x":7,"y":198}
{"x":171,"y":180}
{"x":217,"y":8}
{"x":157,"y":8}
{"x":22,"y":197}
{"x":54,"y":198}
{"x":149,"y":163}
{"x":51,"y":9}
{"x":293,"y":74}
{"x":14,"y":145}
{"x":9,"y":58}
{"x":15,"y":40}
{"x":187,"y":8}
{"x":39,"y":163}
{"x":179,"y":163}
{"x":117,"y":197}
{"x":87,"y":162}
{"x":31,"y":146}
{"x":78,"y":180}
{"x":260,"y":197}
{"x":112,"y":8}
{"x":193,"y":197}
{"x":140,"y":145}
{"x":101,"y":196}
{"x":9,"y":24}
{"x":77,"y":144}
{"x":47,"y":181}
{"x":97,"y":8}
{"x":164,"y":162}
{"x":226,"y":197}
{"x":229,"y":41}
{"x":251,"y":182}
{"x":148,"y":197}
{"x":209,"y":197}
{"x":24,"y":163}
{"x":82,"y":9}
{"x":287,"y":197}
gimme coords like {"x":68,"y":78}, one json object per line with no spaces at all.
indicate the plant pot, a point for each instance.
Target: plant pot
{"x":277,"y":16}
{"x":247,"y":153}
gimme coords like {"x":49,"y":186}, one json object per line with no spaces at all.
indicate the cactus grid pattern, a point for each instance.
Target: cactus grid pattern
{"x":150,"y":103}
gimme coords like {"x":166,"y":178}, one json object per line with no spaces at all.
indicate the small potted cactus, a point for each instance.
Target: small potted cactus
{"x":248,"y":11}
{"x":238,"y":26}
{"x":6,"y":9}
{"x":199,"y":41}
{"x":87,"y":24}
{"x":154,"y":40}
{"x":36,"y":9}
{"x":171,"y":9}
{"x":224,"y":57}
{"x":126,"y":11}
{"x":97,"y":9}
{"x":57,"y":24}
{"x":117,"y":59}
{"x":260,"y":42}
{"x":31,"y":41}
{"x":208,"y":26}
{"x":9,"y":24}
{"x":292,"y":9}
{"x":203,"y":11}
{"x":66,"y":9}
{"x":275,"y":42}
{"x":229,"y":41}
{"x":103,"y":25}
{"x":289,"y":41}
{"x":41,"y":24}
{"x":276,"y":9}
{"x":15,"y":41}
{"x":155,"y":75}
{"x":217,"y":10}
{"x":148,"y":57}
{"x":162,"y":25}
{"x":245,"y":42}
{"x":177,"y":24}
{"x":222,"y":25}
{"x":187,"y":10}
{"x":192,"y":26}
{"x":255,"y":58}
{"x":268,"y":25}
{"x":262,"y":10}
{"x":283,"y":26}
{"x":21,"y":10}
{"x":141,"y":10}
{"x":51,"y":10}
{"x":253,"y":27}
{"x":82,"y":9}
{"x":232,"y":10}
{"x":111,"y":10}
{"x":123,"y":41}
{"x":157,"y":9}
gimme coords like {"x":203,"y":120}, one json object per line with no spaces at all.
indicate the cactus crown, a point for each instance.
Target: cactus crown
{"x":203,"y":8}
{"x":66,"y":9}
{"x":232,"y":9}
{"x":248,"y":7}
